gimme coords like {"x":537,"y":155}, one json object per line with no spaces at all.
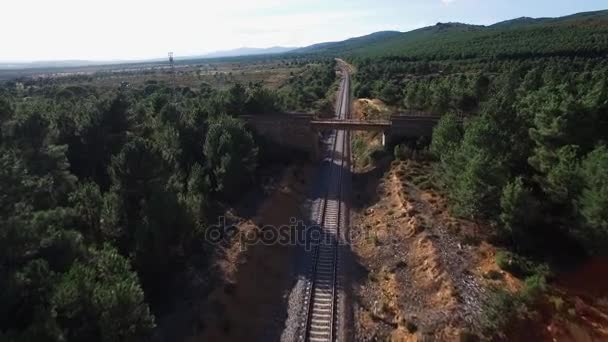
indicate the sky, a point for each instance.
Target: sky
{"x":42,"y":30}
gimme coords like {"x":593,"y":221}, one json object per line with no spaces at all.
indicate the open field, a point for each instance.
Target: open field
{"x":218,"y":73}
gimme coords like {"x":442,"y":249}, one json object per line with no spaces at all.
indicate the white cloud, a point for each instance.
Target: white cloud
{"x":447,"y":2}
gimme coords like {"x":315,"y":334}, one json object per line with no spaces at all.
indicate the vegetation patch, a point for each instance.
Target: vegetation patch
{"x":108,"y":193}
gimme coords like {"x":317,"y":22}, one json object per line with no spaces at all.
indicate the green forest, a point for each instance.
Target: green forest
{"x":582,"y":35}
{"x":106,"y":195}
{"x":524,"y":151}
{"x":522,"y":140}
{"x":521,"y":147}
{"x":533,"y":159}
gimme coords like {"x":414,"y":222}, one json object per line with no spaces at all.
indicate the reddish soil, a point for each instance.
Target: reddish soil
{"x":589,"y":281}
{"x":424,"y":273}
{"x":576,"y":307}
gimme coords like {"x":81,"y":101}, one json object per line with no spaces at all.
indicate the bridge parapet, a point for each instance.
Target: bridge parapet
{"x":410,"y":126}
{"x":300,"y":131}
{"x":289,"y":130}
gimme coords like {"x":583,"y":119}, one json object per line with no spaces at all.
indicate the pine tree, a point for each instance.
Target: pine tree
{"x":231,"y":155}
{"x":592,"y":203}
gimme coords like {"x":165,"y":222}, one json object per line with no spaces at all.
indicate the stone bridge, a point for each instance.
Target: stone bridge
{"x":301,"y":131}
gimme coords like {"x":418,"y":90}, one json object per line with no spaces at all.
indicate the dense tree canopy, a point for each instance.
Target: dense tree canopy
{"x":534,"y":154}
{"x":106,"y":194}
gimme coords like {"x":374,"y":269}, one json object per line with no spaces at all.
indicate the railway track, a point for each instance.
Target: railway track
{"x":320,"y":315}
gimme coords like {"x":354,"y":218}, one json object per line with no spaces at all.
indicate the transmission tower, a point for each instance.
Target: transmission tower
{"x":171,"y":62}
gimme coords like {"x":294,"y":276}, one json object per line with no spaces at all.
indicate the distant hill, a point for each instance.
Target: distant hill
{"x":578,"y":34}
{"x":51,"y":64}
{"x":349,"y":44}
{"x":244,"y":51}
{"x":569,"y":19}
{"x":518,"y":22}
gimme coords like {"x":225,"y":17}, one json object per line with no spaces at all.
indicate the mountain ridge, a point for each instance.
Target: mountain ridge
{"x":244,"y":51}
{"x":580,"y":32}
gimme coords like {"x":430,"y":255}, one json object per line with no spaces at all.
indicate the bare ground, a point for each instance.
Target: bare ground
{"x":365,"y":109}
{"x":416,"y":282}
{"x":425,"y":269}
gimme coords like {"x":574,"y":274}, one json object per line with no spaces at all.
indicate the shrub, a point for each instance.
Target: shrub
{"x":231,"y":154}
{"x":593,"y":201}
{"x":512,"y":263}
{"x":102,"y":298}
{"x":534,"y":286}
{"x":501,"y":307}
{"x":498,"y":310}
{"x":324,"y":107}
{"x":402,"y":152}
{"x":359,"y":151}
{"x":519,"y":265}
{"x":377,"y":153}
{"x":446,"y":136}
{"x":423,"y":154}
{"x":493,"y":275}
{"x":519,"y":209}
{"x":475,"y":174}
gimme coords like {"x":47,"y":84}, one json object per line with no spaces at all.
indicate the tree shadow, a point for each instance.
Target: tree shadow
{"x":293,"y":314}
{"x":262,"y":301}
{"x":366,"y":184}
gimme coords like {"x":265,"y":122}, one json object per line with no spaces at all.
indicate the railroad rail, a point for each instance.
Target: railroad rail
{"x":319,"y":319}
